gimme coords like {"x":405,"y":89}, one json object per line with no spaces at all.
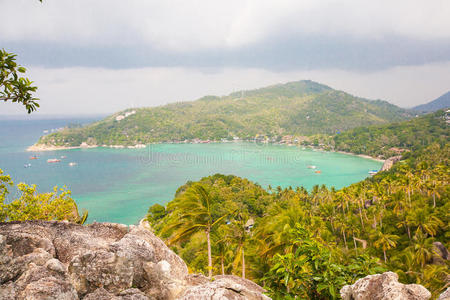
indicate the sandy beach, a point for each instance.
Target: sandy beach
{"x":40,"y":148}
{"x":362,"y":155}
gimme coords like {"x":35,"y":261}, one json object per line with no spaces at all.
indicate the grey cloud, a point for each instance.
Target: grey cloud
{"x":276,"y":35}
{"x":283,"y":53}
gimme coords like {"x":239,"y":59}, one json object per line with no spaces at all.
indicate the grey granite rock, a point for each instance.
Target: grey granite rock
{"x":445,"y":295}
{"x":61,"y":260}
{"x":383,"y":286}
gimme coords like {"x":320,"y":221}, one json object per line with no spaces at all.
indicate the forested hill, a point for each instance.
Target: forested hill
{"x":443,"y":102}
{"x":295,"y":108}
{"x":396,"y":138}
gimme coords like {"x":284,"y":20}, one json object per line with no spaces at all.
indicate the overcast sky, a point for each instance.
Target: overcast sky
{"x":106,"y":55}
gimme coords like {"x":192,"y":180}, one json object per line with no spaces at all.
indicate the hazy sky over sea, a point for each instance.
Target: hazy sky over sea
{"x":106,"y":55}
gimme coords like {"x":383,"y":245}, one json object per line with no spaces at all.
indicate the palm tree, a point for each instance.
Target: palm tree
{"x":433,"y":189}
{"x":275,"y":234}
{"x":193,"y":212}
{"x":422,"y":248}
{"x":237,"y":234}
{"x":240,"y":235}
{"x":343,"y":227}
{"x":222,"y":247}
{"x":434,"y":276}
{"x":425,"y":220}
{"x":407,"y":180}
{"x":385,"y":241}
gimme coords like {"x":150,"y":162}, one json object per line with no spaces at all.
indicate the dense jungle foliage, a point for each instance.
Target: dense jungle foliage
{"x":296,"y":108}
{"x":390,"y":139}
{"x":308,"y":244}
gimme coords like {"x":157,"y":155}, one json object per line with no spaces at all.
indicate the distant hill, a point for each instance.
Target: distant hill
{"x":295,"y":108}
{"x":396,"y":138}
{"x":439,"y":103}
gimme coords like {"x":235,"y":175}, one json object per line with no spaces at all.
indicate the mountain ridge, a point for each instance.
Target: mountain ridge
{"x":441,"y":102}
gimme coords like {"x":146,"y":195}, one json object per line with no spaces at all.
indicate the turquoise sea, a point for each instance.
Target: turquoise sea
{"x":118,"y":185}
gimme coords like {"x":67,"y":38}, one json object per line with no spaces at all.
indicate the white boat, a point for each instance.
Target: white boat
{"x":311,"y":167}
{"x":373,"y":172}
{"x":63,"y":156}
{"x":53,"y":160}
{"x":72,"y":164}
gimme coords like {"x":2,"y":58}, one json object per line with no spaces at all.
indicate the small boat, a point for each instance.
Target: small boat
{"x":318,"y":172}
{"x":71,"y":164}
{"x":311,"y":167}
{"x":63,"y":156}
{"x":27,"y":165}
{"x":373,"y":172}
{"x":33,"y":157}
{"x":53,"y":160}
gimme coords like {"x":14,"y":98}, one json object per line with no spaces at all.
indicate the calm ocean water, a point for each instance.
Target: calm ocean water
{"x":118,"y":185}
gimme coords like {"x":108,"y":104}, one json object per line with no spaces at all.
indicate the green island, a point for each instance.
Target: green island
{"x":301,"y":109}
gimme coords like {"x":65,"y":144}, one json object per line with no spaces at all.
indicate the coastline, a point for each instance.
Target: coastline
{"x":362,"y":155}
{"x":41,"y":148}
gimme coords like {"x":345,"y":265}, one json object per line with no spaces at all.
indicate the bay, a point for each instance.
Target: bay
{"x":118,"y":185}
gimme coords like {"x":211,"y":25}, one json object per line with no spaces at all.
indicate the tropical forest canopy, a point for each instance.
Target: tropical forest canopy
{"x":308,"y":244}
{"x":395,"y":138}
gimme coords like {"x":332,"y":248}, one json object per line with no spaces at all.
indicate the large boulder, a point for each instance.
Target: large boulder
{"x":129,"y":294}
{"x":383,"y":286}
{"x":445,"y":295}
{"x":225,"y":287}
{"x":49,"y":281}
{"x":61,"y":260}
{"x":440,"y":253}
{"x":101,"y":268}
{"x":95,"y":237}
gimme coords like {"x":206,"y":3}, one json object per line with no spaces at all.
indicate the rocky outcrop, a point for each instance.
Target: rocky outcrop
{"x":224,"y":287}
{"x":388,"y":163}
{"x":383,"y":286}
{"x":445,"y":295}
{"x":60,"y":260}
{"x":440,"y":253}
